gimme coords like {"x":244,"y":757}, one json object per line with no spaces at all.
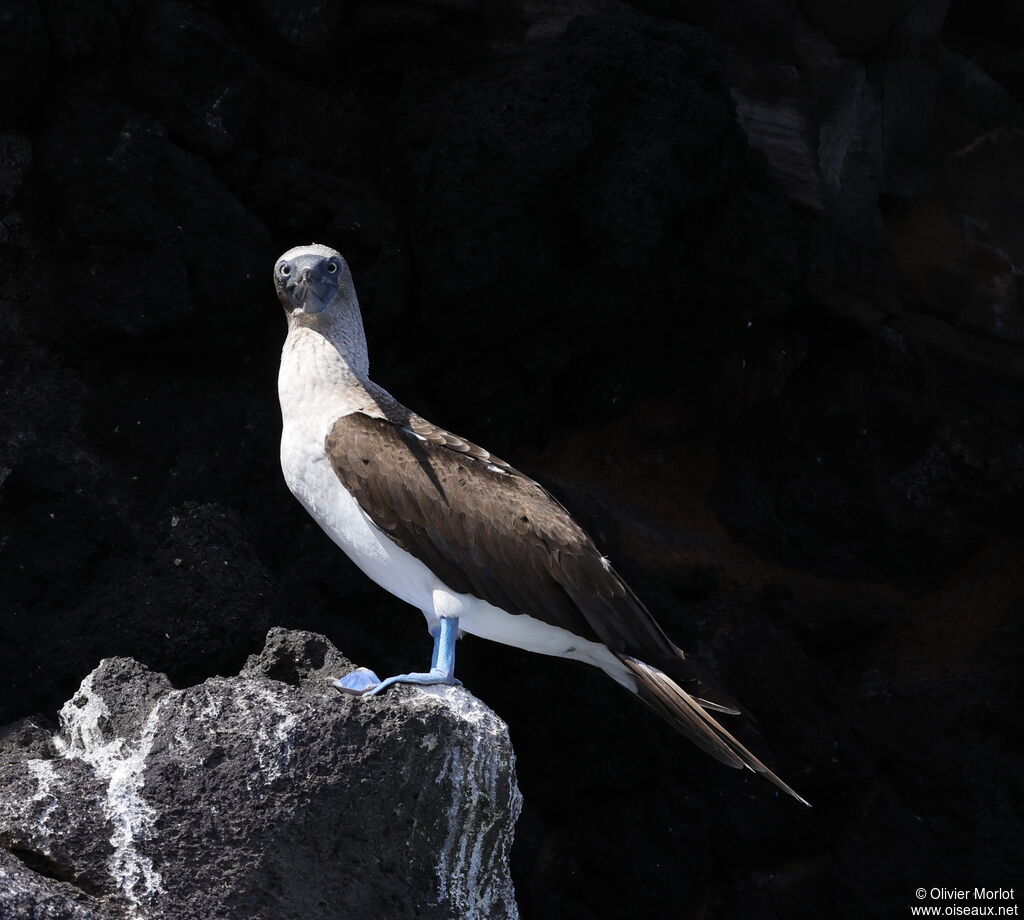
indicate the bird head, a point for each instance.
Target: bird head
{"x":309,"y":279}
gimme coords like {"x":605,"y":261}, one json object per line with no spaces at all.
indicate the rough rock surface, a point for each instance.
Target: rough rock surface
{"x":740,"y":282}
{"x":261,"y":795}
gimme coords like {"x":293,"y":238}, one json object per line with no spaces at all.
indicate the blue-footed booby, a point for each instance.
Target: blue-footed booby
{"x":455,"y":531}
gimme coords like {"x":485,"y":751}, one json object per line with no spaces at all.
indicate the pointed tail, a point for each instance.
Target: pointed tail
{"x":686,"y":714}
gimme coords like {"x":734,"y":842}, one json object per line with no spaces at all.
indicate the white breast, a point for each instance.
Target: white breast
{"x":309,"y":408}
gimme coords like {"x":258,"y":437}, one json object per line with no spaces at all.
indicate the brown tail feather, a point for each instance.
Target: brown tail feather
{"x":686,"y":715}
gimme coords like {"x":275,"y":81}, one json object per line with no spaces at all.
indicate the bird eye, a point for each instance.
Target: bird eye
{"x":332,"y":267}
{"x":284,"y":269}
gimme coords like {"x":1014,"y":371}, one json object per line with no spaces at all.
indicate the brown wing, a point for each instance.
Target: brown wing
{"x":487,"y":530}
{"x":430,"y":432}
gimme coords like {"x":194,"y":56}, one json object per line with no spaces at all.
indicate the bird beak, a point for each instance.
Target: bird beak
{"x":310,"y":292}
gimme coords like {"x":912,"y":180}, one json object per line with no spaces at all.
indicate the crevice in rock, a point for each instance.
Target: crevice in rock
{"x":43,"y":864}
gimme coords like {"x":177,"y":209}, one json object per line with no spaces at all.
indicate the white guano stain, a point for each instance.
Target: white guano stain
{"x":474,"y":778}
{"x":268,"y":723}
{"x":274,"y":742}
{"x":46,"y":777}
{"x":121,"y":763}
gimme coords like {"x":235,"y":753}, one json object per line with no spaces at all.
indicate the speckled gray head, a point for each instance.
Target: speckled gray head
{"x":309,"y":279}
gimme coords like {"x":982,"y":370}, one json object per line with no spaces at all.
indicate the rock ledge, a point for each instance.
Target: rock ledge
{"x":265,"y":795}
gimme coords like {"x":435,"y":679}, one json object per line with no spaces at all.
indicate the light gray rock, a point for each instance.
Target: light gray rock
{"x":263,"y":795}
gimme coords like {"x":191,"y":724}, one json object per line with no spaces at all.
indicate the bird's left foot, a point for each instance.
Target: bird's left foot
{"x":364,"y":681}
{"x":433,"y":676}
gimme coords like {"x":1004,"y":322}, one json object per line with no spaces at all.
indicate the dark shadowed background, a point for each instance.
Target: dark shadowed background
{"x":740,"y":283}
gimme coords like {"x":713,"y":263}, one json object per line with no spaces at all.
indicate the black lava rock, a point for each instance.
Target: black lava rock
{"x":252,"y":796}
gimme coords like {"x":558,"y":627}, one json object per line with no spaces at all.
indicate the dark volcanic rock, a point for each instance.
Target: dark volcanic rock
{"x":252,"y":796}
{"x":583,"y":170}
{"x":126,"y":200}
{"x":213,"y":108}
{"x":24,"y":56}
{"x":27,"y":893}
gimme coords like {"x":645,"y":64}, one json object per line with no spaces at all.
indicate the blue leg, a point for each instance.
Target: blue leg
{"x":442,"y":670}
{"x":435,"y":634}
{"x":441,"y":665}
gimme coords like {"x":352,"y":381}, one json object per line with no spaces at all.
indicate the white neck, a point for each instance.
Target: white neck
{"x":325,"y":370}
{"x":327,"y":351}
{"x":341,"y":325}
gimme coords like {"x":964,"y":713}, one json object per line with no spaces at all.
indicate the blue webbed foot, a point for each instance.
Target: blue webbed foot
{"x":358,"y":682}
{"x":433,"y":676}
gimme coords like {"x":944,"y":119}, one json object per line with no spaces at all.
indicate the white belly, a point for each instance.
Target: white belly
{"x":314,"y":483}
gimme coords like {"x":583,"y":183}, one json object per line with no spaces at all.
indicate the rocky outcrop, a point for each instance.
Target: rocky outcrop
{"x":261,"y":795}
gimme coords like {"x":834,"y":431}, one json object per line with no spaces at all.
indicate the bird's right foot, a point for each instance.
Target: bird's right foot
{"x":358,"y":682}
